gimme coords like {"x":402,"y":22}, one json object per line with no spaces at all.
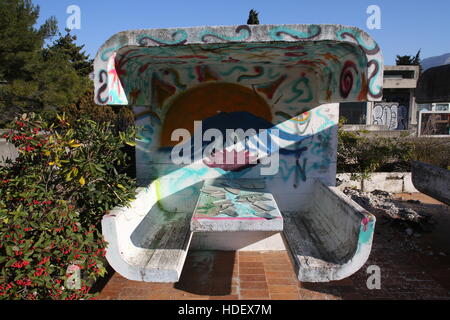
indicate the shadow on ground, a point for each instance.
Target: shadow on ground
{"x":206,"y":273}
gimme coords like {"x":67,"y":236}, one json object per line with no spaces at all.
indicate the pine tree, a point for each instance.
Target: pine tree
{"x":253,"y":17}
{"x":410,"y":60}
{"x":33,"y":78}
{"x":78,"y":58}
{"x":20,"y":41}
{"x":404,"y":60}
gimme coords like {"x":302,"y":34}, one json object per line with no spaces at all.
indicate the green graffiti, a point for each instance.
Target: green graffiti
{"x":279,"y":32}
{"x":178,"y":37}
{"x":299,"y":92}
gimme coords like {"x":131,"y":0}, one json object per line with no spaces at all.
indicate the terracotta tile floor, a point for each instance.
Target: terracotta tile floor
{"x":405,"y":273}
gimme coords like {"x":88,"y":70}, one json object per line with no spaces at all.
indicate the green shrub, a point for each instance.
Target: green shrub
{"x":120,"y":117}
{"x":434,"y":151}
{"x":362,"y":155}
{"x":52,"y":199}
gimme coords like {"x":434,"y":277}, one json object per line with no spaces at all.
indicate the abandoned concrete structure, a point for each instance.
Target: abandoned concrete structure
{"x":397,"y":111}
{"x":283,"y":81}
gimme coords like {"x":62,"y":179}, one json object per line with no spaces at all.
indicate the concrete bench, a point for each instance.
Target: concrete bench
{"x":432,"y":181}
{"x":330,"y":240}
{"x":149,"y":240}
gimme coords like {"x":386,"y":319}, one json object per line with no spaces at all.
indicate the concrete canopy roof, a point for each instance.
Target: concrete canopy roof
{"x":434,"y":85}
{"x":343,"y":63}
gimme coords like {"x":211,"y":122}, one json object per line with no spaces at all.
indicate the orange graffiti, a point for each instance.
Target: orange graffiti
{"x":364,"y":89}
{"x":269,"y":90}
{"x":161,"y":91}
{"x":207,"y":100}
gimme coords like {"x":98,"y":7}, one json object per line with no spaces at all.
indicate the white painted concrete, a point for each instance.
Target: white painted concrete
{"x":332,"y":240}
{"x":7,"y":151}
{"x":239,"y":241}
{"x":132,"y":254}
{"x":393,"y":182}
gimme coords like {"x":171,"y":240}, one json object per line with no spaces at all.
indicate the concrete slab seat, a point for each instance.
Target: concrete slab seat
{"x":149,"y":240}
{"x":332,"y":239}
{"x":236,"y":205}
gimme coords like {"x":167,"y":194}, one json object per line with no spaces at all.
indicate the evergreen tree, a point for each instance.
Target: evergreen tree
{"x":20,"y":41}
{"x":78,"y":58}
{"x":253,"y":17}
{"x":33,"y":78}
{"x":410,"y":60}
{"x":404,"y":60}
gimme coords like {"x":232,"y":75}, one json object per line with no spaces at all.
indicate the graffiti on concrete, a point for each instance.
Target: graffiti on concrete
{"x":145,"y":73}
{"x":391,"y":115}
{"x":129,"y":59}
{"x":245,"y":77}
{"x":226,"y":97}
{"x":269,"y":79}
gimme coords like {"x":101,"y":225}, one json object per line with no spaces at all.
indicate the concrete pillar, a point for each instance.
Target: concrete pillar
{"x":369,"y":109}
{"x":412,"y":108}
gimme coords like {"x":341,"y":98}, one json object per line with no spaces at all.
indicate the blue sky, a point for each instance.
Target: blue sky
{"x":406,"y":26}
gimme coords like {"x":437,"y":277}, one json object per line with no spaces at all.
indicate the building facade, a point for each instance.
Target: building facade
{"x":397,"y":110}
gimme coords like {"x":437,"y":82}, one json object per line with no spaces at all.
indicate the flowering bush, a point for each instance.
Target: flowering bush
{"x":52,"y":199}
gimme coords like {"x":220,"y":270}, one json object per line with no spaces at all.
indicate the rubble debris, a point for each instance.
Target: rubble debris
{"x":384,"y":203}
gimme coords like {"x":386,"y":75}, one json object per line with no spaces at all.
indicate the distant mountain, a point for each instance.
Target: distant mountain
{"x":436,"y":61}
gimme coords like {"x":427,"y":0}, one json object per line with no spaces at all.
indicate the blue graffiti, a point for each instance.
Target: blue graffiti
{"x":229,"y":72}
{"x":180,"y":34}
{"x":299,"y":92}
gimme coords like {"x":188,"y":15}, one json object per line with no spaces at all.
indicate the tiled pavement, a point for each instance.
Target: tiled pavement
{"x":220,"y":275}
{"x":406,"y":273}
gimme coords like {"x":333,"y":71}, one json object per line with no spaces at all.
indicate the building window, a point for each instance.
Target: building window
{"x":353,"y":112}
{"x":442,"y":107}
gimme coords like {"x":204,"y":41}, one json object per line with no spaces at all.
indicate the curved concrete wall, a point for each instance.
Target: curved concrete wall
{"x":432,"y":180}
{"x":205,"y":43}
